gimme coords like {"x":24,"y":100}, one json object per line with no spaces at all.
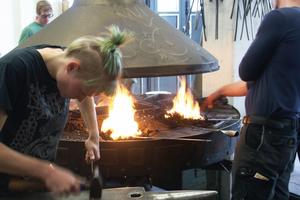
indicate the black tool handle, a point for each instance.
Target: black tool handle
{"x":96,"y":184}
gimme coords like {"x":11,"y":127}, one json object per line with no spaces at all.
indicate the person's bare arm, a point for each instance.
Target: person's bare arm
{"x":231,"y":90}
{"x":57,"y":179}
{"x":87,"y":109}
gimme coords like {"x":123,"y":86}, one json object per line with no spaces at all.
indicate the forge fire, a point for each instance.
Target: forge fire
{"x":122,"y":124}
{"x":137,"y":116}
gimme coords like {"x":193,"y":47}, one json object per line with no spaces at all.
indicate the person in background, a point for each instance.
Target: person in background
{"x":44,"y":12}
{"x":266,"y":149}
{"x":36,"y":85}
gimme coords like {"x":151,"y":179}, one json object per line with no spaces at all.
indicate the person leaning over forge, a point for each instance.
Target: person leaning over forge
{"x":36,"y":85}
{"x":265,"y":152}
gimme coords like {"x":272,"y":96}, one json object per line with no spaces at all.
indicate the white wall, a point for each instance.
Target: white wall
{"x":228,"y":52}
{"x":7,"y":26}
{"x":17,"y":14}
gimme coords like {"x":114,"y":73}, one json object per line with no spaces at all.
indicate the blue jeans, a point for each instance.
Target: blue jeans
{"x":263,"y":163}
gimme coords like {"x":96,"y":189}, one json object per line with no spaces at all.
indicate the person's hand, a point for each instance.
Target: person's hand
{"x":92,"y":149}
{"x":61,"y":181}
{"x":211,"y":100}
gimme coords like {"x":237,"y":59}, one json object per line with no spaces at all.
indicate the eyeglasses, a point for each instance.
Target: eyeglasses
{"x":45,"y":16}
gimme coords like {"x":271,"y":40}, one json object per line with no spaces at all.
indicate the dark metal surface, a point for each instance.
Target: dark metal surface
{"x":159,"y":49}
{"x":144,"y":157}
{"x":294,"y":196}
{"x":131,"y":193}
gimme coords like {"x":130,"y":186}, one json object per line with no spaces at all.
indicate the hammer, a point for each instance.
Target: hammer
{"x":94,"y":185}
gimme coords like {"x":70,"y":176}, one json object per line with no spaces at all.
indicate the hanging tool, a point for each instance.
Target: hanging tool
{"x":198,"y":15}
{"x":186,"y":31}
{"x":203,"y":19}
{"x":251,"y":20}
{"x":232,"y":9}
{"x":217,"y":19}
{"x":244,"y":23}
{"x":237,"y":19}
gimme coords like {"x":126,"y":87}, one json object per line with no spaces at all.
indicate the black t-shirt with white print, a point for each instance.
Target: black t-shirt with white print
{"x":36,"y":112}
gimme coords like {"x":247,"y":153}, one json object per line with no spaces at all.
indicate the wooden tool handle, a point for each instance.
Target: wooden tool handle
{"x":21,"y":185}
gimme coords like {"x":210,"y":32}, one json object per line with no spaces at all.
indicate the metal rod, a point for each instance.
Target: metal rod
{"x":141,"y":86}
{"x":244,"y":21}
{"x":203,"y":19}
{"x":230,"y":133}
{"x":148,"y":84}
{"x":219,"y":119}
{"x":217,"y":125}
{"x":188,"y":19}
{"x":237,"y":19}
{"x":232,"y":9}
{"x":228,"y":172}
{"x":217,"y":19}
{"x":251,"y":20}
{"x":179,"y":139}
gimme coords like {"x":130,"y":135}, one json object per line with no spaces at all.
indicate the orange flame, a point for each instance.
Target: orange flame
{"x":121,"y":116}
{"x":184,"y":104}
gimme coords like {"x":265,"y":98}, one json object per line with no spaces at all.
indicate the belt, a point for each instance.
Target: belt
{"x":272,"y":122}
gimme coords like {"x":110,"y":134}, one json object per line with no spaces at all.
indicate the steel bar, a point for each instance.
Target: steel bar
{"x":177,"y":139}
{"x":217,"y":19}
{"x":262,"y":8}
{"x":227,"y":171}
{"x":125,"y":193}
{"x":236,"y":20}
{"x":253,"y":12}
{"x":217,"y":125}
{"x":198,"y":15}
{"x":188,"y":19}
{"x":256,"y":8}
{"x":251,"y":20}
{"x":232,"y":9}
{"x":230,"y":133}
{"x":203,"y":19}
{"x":245,"y":20}
{"x":219,"y":119}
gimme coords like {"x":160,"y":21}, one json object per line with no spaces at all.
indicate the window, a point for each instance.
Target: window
{"x":167,"y":5}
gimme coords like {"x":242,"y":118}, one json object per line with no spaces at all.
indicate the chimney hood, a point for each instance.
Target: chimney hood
{"x":158,"y":50}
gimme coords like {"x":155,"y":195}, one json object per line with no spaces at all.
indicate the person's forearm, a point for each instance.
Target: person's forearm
{"x":56,"y":179}
{"x":87,"y":109}
{"x":18,"y":164}
{"x":235,"y":89}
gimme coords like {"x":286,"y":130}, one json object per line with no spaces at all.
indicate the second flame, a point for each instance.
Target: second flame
{"x":184,"y":104}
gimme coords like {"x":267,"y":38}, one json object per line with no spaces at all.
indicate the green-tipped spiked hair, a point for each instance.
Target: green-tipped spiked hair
{"x":100,"y":59}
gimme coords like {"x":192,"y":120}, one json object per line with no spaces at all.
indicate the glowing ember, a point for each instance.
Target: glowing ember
{"x":121,"y":117}
{"x":184,"y":104}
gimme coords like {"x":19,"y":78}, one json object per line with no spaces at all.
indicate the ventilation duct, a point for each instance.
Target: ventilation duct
{"x":159,"y":49}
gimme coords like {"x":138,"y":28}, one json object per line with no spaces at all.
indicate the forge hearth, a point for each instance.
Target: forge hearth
{"x":162,"y":147}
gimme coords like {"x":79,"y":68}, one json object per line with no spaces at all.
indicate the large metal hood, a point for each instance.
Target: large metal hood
{"x":159,"y":49}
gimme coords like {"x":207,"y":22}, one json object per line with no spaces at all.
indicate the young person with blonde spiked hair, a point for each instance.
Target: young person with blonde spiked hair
{"x":36,"y":85}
